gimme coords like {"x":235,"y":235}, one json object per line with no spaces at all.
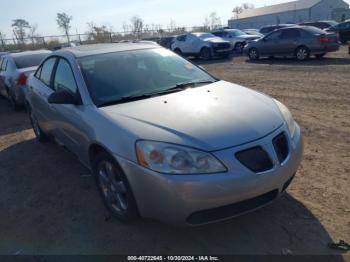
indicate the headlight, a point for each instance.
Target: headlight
{"x":174,"y":159}
{"x":287,"y":115}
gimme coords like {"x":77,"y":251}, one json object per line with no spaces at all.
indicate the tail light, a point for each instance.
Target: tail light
{"x":324,"y":40}
{"x":22,"y":79}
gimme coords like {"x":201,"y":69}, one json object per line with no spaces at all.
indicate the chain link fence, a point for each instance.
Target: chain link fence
{"x":57,"y":41}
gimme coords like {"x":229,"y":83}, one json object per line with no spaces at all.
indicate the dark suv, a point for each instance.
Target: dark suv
{"x":343,"y":30}
{"x":268,"y":29}
{"x":321,"y":24}
{"x":298,"y":41}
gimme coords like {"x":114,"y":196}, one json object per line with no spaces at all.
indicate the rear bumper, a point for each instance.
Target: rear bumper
{"x":202,"y":199}
{"x":329,"y":48}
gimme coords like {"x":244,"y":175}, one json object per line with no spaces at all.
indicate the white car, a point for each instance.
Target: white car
{"x":204,"y":45}
{"x":237,"y":38}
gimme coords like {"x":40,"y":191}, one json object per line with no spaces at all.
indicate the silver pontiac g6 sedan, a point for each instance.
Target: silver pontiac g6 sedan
{"x":164,"y":139}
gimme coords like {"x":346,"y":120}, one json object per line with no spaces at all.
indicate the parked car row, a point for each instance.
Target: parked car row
{"x":14,"y":71}
{"x":164,"y":139}
{"x":300,"y":42}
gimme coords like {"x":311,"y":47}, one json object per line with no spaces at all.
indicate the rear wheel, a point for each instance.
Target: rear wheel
{"x":114,"y":188}
{"x":13,"y":102}
{"x":302,"y":53}
{"x":205,"y":53}
{"x":253,"y":54}
{"x":320,"y":55}
{"x":39,"y":134}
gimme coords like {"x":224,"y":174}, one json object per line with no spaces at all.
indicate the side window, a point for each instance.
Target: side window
{"x":182,"y":38}
{"x":64,"y":78}
{"x":46,"y":71}
{"x":4,"y":64}
{"x":38,"y":72}
{"x":220,"y":34}
{"x":290,"y":34}
{"x":273,"y":36}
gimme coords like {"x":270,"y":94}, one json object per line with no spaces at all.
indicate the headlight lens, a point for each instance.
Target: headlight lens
{"x":174,"y":159}
{"x":287,"y":115}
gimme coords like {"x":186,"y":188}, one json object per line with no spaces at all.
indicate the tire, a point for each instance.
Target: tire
{"x":205,"y":53}
{"x":320,"y":55}
{"x":114,"y":188}
{"x":178,"y":51}
{"x":239,"y":48}
{"x":253,"y":54}
{"x":13,"y":102}
{"x":302,"y":53}
{"x":39,"y":134}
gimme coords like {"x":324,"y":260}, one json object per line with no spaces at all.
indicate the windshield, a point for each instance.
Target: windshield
{"x":205,"y":36}
{"x":114,"y":76}
{"x":237,"y":33}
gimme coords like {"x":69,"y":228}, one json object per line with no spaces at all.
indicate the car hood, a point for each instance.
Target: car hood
{"x":210,"y":117}
{"x":249,"y":37}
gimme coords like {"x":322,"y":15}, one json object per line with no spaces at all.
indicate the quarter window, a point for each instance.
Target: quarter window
{"x":182,"y":38}
{"x":46,"y":71}
{"x":64,"y":78}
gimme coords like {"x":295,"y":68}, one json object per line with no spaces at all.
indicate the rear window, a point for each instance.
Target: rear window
{"x":314,"y":30}
{"x":29,"y":60}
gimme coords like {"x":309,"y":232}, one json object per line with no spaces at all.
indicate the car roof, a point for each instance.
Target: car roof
{"x":25,"y":53}
{"x":95,"y":49}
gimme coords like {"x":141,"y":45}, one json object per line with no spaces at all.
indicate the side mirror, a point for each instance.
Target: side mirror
{"x":62,"y":97}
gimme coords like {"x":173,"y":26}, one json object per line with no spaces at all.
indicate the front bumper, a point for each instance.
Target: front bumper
{"x":188,"y":199}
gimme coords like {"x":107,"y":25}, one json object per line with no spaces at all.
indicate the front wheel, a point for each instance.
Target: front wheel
{"x":205,"y":53}
{"x":114,"y":188}
{"x":253,"y":54}
{"x":302,"y":53}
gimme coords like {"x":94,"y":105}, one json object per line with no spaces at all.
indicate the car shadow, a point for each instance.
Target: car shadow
{"x":12,"y":121}
{"x":52,"y":207}
{"x":309,"y":62}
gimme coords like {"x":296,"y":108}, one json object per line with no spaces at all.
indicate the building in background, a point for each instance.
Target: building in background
{"x":292,"y":12}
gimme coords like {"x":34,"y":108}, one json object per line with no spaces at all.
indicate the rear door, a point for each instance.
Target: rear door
{"x":290,"y":39}
{"x":39,"y":91}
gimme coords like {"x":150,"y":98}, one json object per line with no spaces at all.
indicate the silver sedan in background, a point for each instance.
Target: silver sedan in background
{"x":14,"y":71}
{"x":164,"y":139}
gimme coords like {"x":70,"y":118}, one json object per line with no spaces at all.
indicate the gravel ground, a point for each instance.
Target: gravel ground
{"x":49,"y":203}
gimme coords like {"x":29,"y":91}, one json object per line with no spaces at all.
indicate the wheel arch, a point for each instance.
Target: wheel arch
{"x":94,"y":149}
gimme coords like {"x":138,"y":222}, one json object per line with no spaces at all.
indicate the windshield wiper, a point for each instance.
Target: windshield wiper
{"x":176,"y":88}
{"x":124,"y":99}
{"x":181,"y":87}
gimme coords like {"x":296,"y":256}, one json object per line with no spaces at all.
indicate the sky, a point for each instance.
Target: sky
{"x":114,"y":13}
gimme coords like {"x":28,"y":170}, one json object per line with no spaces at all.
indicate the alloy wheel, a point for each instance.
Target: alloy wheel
{"x":113,"y":187}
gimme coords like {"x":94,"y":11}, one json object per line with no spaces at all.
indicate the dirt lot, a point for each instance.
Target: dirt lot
{"x":49,"y":203}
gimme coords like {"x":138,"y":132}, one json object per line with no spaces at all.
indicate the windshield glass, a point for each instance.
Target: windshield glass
{"x":237,"y":32}
{"x":113,"y":76}
{"x":205,"y":35}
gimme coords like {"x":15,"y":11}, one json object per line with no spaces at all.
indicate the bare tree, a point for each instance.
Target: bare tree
{"x":136,"y":25}
{"x":19,"y":26}
{"x":63,"y":21}
{"x":240,"y":8}
{"x":215,"y":21}
{"x":206,"y":24}
{"x":172,"y":26}
{"x":98,"y":33}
